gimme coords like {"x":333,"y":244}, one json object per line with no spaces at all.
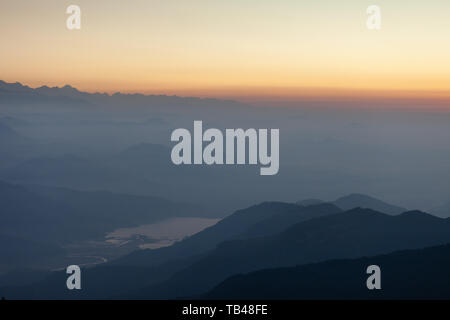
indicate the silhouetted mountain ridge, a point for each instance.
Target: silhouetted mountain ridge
{"x":442,"y":211}
{"x":9,"y":136}
{"x":164,"y":262}
{"x":350,"y":234}
{"x":356,"y":200}
{"x":61,"y":216}
{"x":70,"y":96}
{"x":410,"y":274}
{"x":262,"y":219}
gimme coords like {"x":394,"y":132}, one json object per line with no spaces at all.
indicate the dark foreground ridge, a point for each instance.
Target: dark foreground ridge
{"x":409,"y":274}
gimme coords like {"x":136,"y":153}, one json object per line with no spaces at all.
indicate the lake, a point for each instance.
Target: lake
{"x":164,"y":233}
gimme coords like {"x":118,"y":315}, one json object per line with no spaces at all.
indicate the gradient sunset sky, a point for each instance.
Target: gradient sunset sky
{"x":228,"y":48}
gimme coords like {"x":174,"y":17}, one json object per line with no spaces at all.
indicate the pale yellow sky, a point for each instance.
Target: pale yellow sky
{"x":229,"y":47}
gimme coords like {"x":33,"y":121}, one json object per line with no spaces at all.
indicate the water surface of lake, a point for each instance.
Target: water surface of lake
{"x":163,"y":233}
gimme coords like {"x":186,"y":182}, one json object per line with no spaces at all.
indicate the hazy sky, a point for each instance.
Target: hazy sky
{"x":233,"y":47}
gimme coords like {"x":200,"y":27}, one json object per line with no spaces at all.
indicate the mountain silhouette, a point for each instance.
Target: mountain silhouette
{"x":70,"y":98}
{"x":20,"y":95}
{"x":357,"y":200}
{"x":76,"y":172}
{"x":409,"y":274}
{"x":144,"y":159}
{"x":65,"y":211}
{"x":264,"y":219}
{"x":279,"y":222}
{"x":354,"y":233}
{"x":9,"y":136}
{"x":442,"y":211}
{"x":157,"y":265}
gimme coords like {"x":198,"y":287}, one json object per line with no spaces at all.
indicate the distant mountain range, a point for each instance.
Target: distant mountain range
{"x":442,"y":211}
{"x":76,"y":172}
{"x":68,"y":97}
{"x":358,"y":200}
{"x":144,"y":169}
{"x":14,"y":146}
{"x":65,"y":211}
{"x":410,"y":274}
{"x":9,"y":137}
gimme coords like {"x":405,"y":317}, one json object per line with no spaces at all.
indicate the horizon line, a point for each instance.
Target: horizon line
{"x":260,"y":94}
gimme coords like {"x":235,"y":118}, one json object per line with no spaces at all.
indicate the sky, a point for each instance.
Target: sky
{"x":233,"y":48}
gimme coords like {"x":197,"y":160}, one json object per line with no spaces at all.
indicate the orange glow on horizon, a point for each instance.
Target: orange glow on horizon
{"x":266,"y":95}
{"x":236,"y":50}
